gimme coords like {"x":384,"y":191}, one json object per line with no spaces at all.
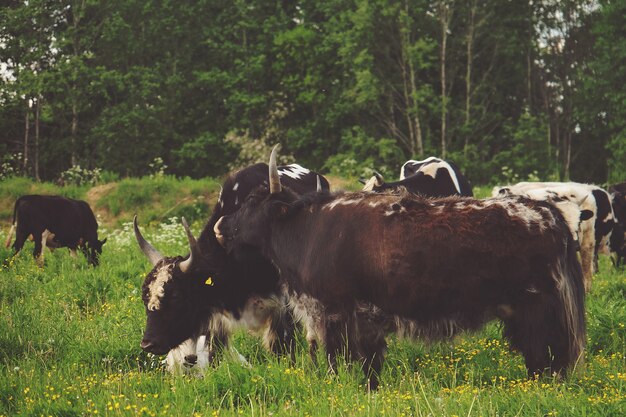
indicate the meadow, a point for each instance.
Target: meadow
{"x":70,"y":333}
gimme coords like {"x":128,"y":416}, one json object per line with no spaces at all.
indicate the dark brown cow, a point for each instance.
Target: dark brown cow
{"x":448,"y":264}
{"x":55,"y":221}
{"x":181,"y":306}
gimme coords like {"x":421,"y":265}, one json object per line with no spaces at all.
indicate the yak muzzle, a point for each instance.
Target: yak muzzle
{"x":150,"y":347}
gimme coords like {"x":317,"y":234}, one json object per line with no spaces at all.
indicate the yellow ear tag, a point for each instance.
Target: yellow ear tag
{"x":209,"y":281}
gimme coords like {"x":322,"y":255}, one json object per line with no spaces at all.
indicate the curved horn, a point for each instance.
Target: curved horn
{"x":275,"y":186}
{"x":379,"y":178}
{"x":194,"y":250}
{"x":584,"y":199}
{"x":152,"y":254}
{"x":319,"y":184}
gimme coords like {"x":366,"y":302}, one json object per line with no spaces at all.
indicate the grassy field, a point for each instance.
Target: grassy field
{"x":69,"y":346}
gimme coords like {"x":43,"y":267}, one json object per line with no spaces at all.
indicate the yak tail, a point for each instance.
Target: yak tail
{"x":13,"y":224}
{"x":571,"y":295}
{"x":10,"y":236}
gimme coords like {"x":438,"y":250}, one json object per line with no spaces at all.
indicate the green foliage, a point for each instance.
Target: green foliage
{"x":359,"y":154}
{"x":529,"y":86}
{"x":527,"y":156}
{"x":80,"y":176}
{"x":157,"y":198}
{"x":204,"y":156}
{"x":617,"y":163}
{"x":10,"y":166}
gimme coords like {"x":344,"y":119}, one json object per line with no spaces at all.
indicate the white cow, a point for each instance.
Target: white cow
{"x":593,"y":235}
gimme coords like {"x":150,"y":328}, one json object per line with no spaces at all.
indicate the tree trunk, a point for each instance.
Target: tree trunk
{"x":26,"y":134}
{"x":444,"y":19}
{"x":568,"y":154}
{"x":468,"y":72}
{"x":416,"y":117}
{"x":405,"y":90}
{"x":416,"y":138}
{"x":74,"y":132}
{"x":407,"y":101}
{"x":37,"y":110}
{"x":529,"y":68}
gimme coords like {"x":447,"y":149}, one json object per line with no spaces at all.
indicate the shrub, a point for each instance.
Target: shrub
{"x":360,"y":154}
{"x":10,"y":166}
{"x":80,"y":176}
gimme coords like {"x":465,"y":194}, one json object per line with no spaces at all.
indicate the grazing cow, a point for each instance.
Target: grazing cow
{"x":431,"y":177}
{"x":618,"y":237}
{"x":176,"y":292}
{"x":594,"y":236}
{"x":447,"y":264}
{"x":55,"y":222}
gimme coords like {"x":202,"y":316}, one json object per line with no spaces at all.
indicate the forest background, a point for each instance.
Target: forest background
{"x":508,"y":90}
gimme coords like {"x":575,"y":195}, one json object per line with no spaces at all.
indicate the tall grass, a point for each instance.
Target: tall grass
{"x":69,"y":338}
{"x":154,"y":198}
{"x":69,"y":346}
{"x":159,"y":198}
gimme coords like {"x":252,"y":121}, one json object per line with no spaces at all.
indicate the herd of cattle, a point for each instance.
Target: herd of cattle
{"x":419,"y":257}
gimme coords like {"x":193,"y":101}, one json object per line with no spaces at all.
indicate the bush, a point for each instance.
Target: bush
{"x":10,"y":166}
{"x":252,"y":151}
{"x":360,"y":154}
{"x":528,"y":156}
{"x":80,"y":176}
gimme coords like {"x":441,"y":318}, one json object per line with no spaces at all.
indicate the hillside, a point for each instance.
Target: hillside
{"x":152,"y":198}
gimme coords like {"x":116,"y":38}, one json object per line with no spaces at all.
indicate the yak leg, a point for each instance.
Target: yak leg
{"x":279,"y":336}
{"x":20,"y":237}
{"x":40,"y":243}
{"x":340,"y":338}
{"x":586,"y":262}
{"x":535,"y":329}
{"x":373,"y":326}
{"x":217,"y":340}
{"x":45,"y":237}
{"x":181,"y":357}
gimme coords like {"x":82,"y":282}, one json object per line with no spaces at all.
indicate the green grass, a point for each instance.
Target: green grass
{"x":152,"y":198}
{"x":69,"y":337}
{"x":158,"y":198}
{"x":69,"y":346}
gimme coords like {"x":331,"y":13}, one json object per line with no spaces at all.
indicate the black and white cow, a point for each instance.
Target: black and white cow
{"x":55,"y":222}
{"x":431,"y":177}
{"x":188,"y":297}
{"x":594,"y":236}
{"x":452,"y":263}
{"x":618,"y":237}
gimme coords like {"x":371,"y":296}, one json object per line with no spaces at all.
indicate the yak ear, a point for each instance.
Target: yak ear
{"x":585,"y":215}
{"x":103,"y":241}
{"x":280,"y":209}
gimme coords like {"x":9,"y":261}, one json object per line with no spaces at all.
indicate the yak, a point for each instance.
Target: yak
{"x":447,"y":264}
{"x":209,"y":293}
{"x":55,"y":222}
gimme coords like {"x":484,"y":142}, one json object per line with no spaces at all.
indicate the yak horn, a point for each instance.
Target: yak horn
{"x":379,"y":178}
{"x":153,"y":255}
{"x":319,"y":184}
{"x":185,"y":266}
{"x":275,"y":186}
